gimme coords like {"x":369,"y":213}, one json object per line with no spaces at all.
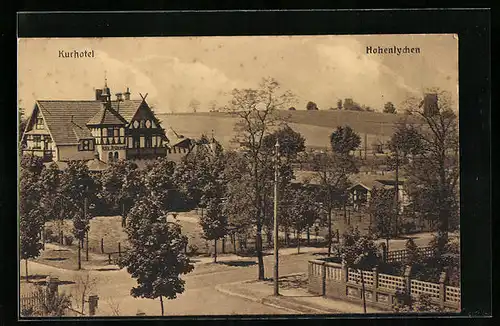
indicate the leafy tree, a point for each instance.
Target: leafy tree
{"x":389,"y":108}
{"x":156,"y":256}
{"x":122,"y":185}
{"x":194,"y":105}
{"x":434,"y":161}
{"x":192,"y":174}
{"x":349,"y":104}
{"x":382,"y":212}
{"x":292,"y":108}
{"x":358,"y":251}
{"x":30,"y":214}
{"x":50,"y":182}
{"x":412,"y":253}
{"x":78,"y":189}
{"x":344,"y":140}
{"x":311,"y":106}
{"x":291,"y":142}
{"x":160,"y":184}
{"x":339,"y":104}
{"x":214,"y":223}
{"x":332,"y":171}
{"x":300,"y":209}
{"x":257,"y":110}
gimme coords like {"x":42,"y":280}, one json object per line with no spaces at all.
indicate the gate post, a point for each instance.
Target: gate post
{"x":93,"y":304}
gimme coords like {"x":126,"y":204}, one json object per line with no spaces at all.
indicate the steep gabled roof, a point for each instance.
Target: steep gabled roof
{"x":127,"y":109}
{"x":61,"y":116}
{"x":107,"y":116}
{"x":81,"y":132}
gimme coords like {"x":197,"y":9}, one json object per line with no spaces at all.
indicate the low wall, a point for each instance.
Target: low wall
{"x":336,"y":281}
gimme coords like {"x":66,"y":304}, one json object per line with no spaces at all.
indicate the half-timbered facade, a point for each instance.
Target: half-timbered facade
{"x":102,"y":128}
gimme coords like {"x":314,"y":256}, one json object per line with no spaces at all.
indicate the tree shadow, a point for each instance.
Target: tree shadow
{"x":44,"y":283}
{"x":105,"y":269}
{"x":35,"y":277}
{"x":60,"y":250}
{"x":236,"y":263}
{"x":56,"y":258}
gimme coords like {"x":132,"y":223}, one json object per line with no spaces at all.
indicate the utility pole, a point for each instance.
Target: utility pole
{"x":397,"y":193}
{"x":276,"y":171}
{"x":85,"y":202}
{"x":366,"y":145}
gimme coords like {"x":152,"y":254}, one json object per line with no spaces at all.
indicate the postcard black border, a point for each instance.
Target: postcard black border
{"x":472,"y":26}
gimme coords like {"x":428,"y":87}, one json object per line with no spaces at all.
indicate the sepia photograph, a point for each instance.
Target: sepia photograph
{"x":238,"y":175}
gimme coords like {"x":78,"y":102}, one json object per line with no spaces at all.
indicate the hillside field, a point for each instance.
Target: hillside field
{"x":315,"y":126}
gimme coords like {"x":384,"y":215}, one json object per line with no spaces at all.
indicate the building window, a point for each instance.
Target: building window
{"x":116,"y":132}
{"x":136,"y":141}
{"x":110,"y":157}
{"x":37,"y":142}
{"x":110,"y":132}
{"x":39,"y":123}
{"x":116,"y":156}
{"x":86,"y":145}
{"x":148,"y":142}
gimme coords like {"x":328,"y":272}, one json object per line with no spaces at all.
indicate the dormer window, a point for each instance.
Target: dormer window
{"x":86,"y":145}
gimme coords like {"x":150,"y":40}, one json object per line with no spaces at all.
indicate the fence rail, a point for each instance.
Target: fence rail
{"x":391,"y":282}
{"x":32,"y":301}
{"x":354,"y":276}
{"x":333,"y":272}
{"x":452,"y":294}
{"x":421,"y":287}
{"x":338,"y":281}
{"x":401,"y":255}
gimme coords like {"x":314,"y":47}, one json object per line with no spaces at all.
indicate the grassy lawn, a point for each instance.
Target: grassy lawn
{"x":66,"y":257}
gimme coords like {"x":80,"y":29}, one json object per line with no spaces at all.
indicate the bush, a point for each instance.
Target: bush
{"x":423,"y":303}
{"x":193,"y":250}
{"x":409,"y":227}
{"x":48,"y":235}
{"x":68,"y":240}
{"x":358,"y":251}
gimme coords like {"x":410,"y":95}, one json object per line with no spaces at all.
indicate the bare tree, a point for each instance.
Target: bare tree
{"x":433,"y":164}
{"x":258,"y":114}
{"x":114,"y":305}
{"x":85,"y":284}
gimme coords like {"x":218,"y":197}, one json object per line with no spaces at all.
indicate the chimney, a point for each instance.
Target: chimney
{"x":119,"y":97}
{"x":127,"y":94}
{"x":98,"y":94}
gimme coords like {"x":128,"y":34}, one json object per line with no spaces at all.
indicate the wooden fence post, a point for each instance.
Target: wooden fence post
{"x":323,"y":279}
{"x":102,"y":245}
{"x":384,"y":252}
{"x":407,"y":276}
{"x":119,"y":250}
{"x":109,"y":259}
{"x":442,"y":289}
{"x":375,"y":283}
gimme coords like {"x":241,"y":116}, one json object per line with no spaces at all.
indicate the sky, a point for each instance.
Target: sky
{"x":174,"y":71}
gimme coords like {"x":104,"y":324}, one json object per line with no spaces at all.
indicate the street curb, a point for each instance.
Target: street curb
{"x":253,"y":299}
{"x":271,"y":301}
